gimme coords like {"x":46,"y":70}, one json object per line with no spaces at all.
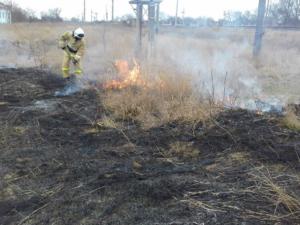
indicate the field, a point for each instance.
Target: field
{"x":186,"y":144}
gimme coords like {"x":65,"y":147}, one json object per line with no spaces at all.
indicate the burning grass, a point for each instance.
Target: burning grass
{"x":170,"y":99}
{"x":152,"y":100}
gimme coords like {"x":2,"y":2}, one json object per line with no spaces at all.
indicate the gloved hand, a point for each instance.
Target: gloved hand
{"x":62,"y":45}
{"x":76,"y":58}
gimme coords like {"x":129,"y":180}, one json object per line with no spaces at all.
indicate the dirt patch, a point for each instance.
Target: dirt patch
{"x":57,"y":166}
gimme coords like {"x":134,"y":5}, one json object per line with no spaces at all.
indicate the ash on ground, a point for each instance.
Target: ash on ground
{"x":57,"y":167}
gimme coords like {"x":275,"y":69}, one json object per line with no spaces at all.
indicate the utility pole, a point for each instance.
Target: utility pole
{"x":106,"y":13}
{"x":268,"y":8}
{"x":157,"y":18}
{"x":84,"y":11}
{"x":10,"y":11}
{"x":151,"y":26}
{"x":183,"y":15}
{"x":176,"y":14}
{"x":153,"y":10}
{"x":112,"y":10}
{"x":139,"y":26}
{"x":259,"y":27}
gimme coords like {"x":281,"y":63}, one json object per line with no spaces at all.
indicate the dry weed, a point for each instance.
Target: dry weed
{"x":183,"y":150}
{"x":291,"y":121}
{"x":175,"y":100}
{"x":274,"y":188}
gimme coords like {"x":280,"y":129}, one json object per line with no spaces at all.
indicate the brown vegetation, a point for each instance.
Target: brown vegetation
{"x":175,"y":100}
{"x":291,"y":120}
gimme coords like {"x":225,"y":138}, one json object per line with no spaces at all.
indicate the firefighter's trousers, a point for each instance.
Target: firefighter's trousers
{"x":68,"y":58}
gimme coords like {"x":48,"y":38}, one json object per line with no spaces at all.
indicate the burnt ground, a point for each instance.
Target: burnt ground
{"x":58,"y":167}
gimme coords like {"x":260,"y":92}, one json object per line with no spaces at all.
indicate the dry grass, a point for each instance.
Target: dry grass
{"x":239,"y":157}
{"x":174,"y":101}
{"x":183,"y":150}
{"x":277,"y":189}
{"x":291,"y":121}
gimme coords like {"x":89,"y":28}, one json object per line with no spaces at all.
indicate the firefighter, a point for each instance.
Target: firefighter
{"x":73,"y":45}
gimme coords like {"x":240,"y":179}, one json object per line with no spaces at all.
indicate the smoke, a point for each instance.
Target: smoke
{"x":73,"y":86}
{"x":222,"y":68}
{"x":218,"y":61}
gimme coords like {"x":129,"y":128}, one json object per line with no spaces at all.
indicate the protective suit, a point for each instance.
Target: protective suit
{"x":74,"y":46}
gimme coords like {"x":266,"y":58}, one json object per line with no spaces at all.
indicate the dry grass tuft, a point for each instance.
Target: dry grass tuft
{"x":107,"y":122}
{"x":183,"y":150}
{"x":175,"y":100}
{"x":276,"y":191}
{"x":291,"y":121}
{"x":240,"y":157}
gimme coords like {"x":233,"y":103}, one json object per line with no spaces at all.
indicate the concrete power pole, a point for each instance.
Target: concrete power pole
{"x":151,"y":26}
{"x":176,"y":14}
{"x":11,"y":11}
{"x":153,"y":19}
{"x":106,"y":13}
{"x":84,"y":11}
{"x":157,"y":18}
{"x":139,"y":26}
{"x":259,"y":27}
{"x":112,"y":10}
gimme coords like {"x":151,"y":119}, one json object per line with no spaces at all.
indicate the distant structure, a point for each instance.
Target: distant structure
{"x":5,"y":14}
{"x":259,"y":33}
{"x":153,"y":22}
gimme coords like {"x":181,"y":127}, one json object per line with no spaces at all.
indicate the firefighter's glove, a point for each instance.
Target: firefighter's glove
{"x":62,"y":45}
{"x":76,"y":58}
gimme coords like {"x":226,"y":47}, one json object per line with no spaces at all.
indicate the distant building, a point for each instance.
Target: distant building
{"x":5,"y":14}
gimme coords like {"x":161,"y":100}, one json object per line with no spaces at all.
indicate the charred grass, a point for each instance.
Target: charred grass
{"x":139,"y":157}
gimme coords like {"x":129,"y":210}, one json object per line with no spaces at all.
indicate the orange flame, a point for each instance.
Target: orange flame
{"x":127,"y":77}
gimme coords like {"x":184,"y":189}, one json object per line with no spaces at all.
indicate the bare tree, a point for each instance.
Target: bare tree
{"x":286,"y":12}
{"x":53,"y":15}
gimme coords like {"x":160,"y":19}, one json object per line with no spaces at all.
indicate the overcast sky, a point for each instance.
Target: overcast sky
{"x":194,"y":8}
